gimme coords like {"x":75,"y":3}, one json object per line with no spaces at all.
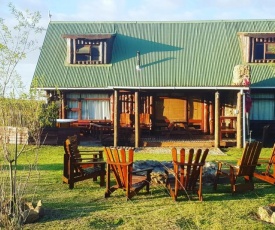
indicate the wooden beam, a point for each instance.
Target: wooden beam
{"x":211,"y":118}
{"x":239,"y":120}
{"x":88,"y":36}
{"x":205,"y":125}
{"x":137,"y":121}
{"x":217,"y":120}
{"x":116,"y":118}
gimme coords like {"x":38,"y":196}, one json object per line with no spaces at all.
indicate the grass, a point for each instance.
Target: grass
{"x":85,"y":207}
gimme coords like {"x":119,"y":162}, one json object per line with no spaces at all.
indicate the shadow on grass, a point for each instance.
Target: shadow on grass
{"x":44,"y":167}
{"x":223,"y":192}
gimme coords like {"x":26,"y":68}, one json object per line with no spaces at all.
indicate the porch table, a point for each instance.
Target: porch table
{"x":179,"y":127}
{"x":98,"y":130}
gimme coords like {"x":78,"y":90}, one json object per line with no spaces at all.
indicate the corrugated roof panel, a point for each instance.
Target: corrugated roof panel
{"x":201,"y":53}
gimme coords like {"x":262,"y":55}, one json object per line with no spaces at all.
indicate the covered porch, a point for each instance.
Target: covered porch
{"x":181,"y":116}
{"x":210,"y":117}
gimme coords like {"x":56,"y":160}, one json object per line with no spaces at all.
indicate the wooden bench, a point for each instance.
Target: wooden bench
{"x":82,"y":165}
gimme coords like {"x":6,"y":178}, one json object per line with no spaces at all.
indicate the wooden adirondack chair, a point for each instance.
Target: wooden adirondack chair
{"x":120,"y":163}
{"x":245,"y":168}
{"x":269,"y":174}
{"x":82,"y":165}
{"x":186,"y":175}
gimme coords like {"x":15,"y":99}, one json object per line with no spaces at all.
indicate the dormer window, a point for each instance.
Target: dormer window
{"x":264,"y":50}
{"x":258,"y":47}
{"x":89,"y":49}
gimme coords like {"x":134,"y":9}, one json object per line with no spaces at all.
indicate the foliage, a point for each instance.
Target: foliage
{"x":16,"y":41}
{"x":85,"y":205}
{"x":49,"y":114}
{"x":18,"y":112}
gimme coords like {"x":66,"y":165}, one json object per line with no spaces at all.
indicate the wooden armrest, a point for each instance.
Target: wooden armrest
{"x":221,"y":163}
{"x":88,"y":159}
{"x":263,"y":161}
{"x":85,"y":163}
{"x":86,"y":152}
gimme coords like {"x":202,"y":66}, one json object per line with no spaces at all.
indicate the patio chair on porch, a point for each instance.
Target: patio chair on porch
{"x":120,"y":163}
{"x":245,"y":168}
{"x":81,"y":165}
{"x":186,"y":175}
{"x":269,"y":174}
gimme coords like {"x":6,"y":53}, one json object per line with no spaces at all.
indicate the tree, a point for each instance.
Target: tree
{"x":18,"y":111}
{"x":15,"y":43}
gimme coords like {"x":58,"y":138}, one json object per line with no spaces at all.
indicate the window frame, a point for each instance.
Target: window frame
{"x":81,"y":98}
{"x":103,"y":43}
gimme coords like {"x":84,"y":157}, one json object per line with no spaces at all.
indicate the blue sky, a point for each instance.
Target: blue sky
{"x":133,"y":10}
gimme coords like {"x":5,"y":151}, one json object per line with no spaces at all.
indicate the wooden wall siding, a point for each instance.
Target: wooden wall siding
{"x":245,"y":43}
{"x":171,"y":109}
{"x":10,"y":132}
{"x":195,"y":109}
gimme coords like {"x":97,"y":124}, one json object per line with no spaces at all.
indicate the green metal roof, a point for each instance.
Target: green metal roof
{"x":172,"y":54}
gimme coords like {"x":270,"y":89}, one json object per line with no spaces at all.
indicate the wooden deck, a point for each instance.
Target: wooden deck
{"x":206,"y":141}
{"x":56,"y":136}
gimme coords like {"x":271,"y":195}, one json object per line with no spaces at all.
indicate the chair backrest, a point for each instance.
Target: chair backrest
{"x":71,"y":146}
{"x":188,"y":166}
{"x":271,"y":161}
{"x":121,"y":163}
{"x":249,"y":159}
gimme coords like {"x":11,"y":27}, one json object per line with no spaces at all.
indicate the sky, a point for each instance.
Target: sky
{"x":131,"y":10}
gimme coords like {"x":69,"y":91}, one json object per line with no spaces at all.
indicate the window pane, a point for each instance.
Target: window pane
{"x":95,"y":53}
{"x":98,"y":110}
{"x":72,"y":115}
{"x":259,"y":51}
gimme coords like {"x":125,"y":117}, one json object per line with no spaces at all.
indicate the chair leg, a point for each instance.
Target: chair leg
{"x":102,"y":180}
{"x":71,"y":185}
{"x":216,"y":179}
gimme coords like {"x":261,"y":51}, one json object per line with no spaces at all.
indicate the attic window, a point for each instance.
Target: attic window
{"x":258,"y":47}
{"x":89,"y":49}
{"x":264,"y":50}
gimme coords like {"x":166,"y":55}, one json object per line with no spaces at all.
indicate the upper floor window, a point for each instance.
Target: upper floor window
{"x":258,"y":47}
{"x":89,"y":49}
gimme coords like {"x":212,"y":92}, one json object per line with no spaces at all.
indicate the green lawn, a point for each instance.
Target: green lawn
{"x":85,"y":207}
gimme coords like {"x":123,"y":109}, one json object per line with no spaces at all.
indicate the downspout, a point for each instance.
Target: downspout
{"x":244,"y":126}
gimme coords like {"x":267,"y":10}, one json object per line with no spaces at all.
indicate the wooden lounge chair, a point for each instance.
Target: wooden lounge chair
{"x":245,"y":168}
{"x":120,"y":163}
{"x":82,"y":165}
{"x":186,"y":175}
{"x":269,"y":174}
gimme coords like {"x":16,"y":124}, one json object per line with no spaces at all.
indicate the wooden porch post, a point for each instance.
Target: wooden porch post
{"x":239,"y":120}
{"x":217,"y":120}
{"x":205,"y":117}
{"x":116,"y":120}
{"x":137,"y":122}
{"x":63,"y":104}
{"x":211,"y":118}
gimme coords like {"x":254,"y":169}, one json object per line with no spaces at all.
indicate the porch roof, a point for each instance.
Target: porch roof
{"x":172,"y":54}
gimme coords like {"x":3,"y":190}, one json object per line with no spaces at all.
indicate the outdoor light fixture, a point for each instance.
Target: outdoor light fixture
{"x":138,"y":61}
